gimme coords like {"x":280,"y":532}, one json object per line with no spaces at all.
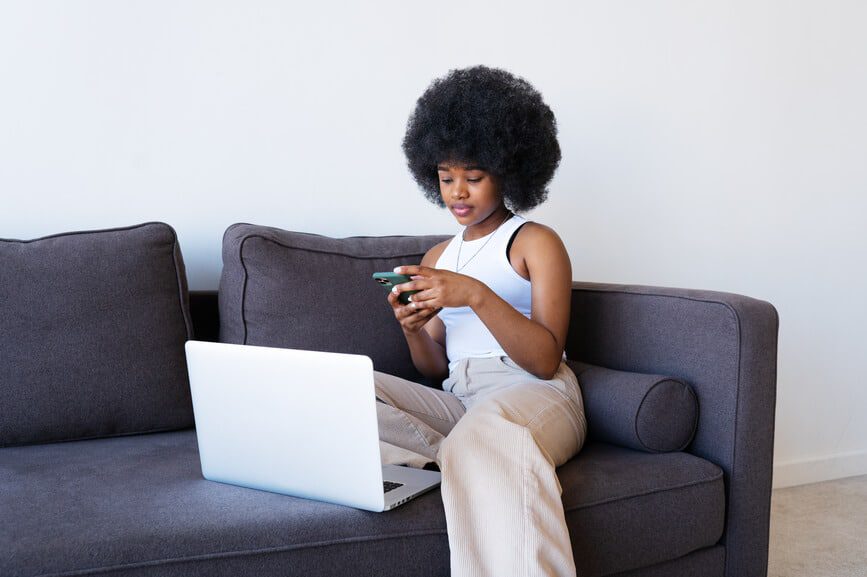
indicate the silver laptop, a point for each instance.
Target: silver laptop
{"x":301,"y":423}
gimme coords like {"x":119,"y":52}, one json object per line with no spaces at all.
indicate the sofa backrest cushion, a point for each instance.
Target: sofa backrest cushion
{"x":305,"y":291}
{"x":92,"y":332}
{"x":651,"y":413}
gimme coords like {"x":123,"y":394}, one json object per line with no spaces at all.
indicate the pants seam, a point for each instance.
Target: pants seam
{"x":447,"y":420}
{"x":545,"y":409}
{"x":524,"y":463}
{"x":418,"y":432}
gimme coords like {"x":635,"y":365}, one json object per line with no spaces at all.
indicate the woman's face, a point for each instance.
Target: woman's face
{"x":470,"y":193}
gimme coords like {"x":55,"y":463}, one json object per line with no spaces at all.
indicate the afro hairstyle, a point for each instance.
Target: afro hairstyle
{"x":489,"y":118}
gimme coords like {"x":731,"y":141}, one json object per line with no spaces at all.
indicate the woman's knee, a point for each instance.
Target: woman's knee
{"x":491,"y":428}
{"x":483,"y":433}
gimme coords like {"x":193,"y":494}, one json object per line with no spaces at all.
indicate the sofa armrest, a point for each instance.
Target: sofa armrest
{"x":725,"y":346}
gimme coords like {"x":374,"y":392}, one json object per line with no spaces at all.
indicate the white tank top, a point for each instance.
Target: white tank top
{"x":484,"y":259}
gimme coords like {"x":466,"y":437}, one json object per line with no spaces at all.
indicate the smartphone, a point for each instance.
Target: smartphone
{"x":388,"y":279}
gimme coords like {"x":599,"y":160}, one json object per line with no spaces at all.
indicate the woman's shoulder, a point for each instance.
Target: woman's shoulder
{"x":433,"y":254}
{"x":536,"y":233}
{"x":536,"y":242}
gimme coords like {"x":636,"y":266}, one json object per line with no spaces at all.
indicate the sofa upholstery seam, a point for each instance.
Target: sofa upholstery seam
{"x":81,"y":232}
{"x":98,"y":437}
{"x":243,"y":288}
{"x":694,"y":427}
{"x":176,"y":250}
{"x":247,"y":237}
{"x":711,"y":480}
{"x":313,"y":234}
{"x":239,"y":553}
{"x":694,"y":419}
{"x":335,"y":253}
{"x":734,"y":440}
{"x":638,"y":412}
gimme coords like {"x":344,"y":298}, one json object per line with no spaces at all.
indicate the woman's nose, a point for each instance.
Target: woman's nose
{"x":459,"y":190}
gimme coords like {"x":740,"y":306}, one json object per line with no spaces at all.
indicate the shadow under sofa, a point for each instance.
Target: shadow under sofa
{"x":136,"y":504}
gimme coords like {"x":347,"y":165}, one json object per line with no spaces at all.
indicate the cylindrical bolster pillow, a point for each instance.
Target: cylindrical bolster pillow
{"x":649,"y":413}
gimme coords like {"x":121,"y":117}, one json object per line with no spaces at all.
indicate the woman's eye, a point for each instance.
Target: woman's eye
{"x":448,"y":180}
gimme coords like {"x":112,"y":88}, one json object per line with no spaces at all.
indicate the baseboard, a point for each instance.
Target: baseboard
{"x":804,"y":471}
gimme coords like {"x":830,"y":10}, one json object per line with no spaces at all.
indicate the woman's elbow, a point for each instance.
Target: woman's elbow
{"x":547,"y":371}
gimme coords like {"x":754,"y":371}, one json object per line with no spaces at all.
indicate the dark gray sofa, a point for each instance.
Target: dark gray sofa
{"x":122,"y":493}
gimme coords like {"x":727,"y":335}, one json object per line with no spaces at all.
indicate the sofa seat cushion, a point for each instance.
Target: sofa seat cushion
{"x":628,"y":509}
{"x":138,"y":505}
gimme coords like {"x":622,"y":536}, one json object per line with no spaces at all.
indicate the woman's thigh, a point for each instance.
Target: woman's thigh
{"x":439,"y":410}
{"x":475,"y":378}
{"x":553,"y":420}
{"x":499,"y":393}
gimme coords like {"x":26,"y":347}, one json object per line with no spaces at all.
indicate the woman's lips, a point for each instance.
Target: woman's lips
{"x":461,"y":209}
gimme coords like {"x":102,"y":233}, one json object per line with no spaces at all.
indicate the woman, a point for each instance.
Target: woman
{"x":490,"y":320}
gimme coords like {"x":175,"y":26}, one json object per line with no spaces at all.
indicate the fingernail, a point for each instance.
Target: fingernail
{"x":397,"y":269}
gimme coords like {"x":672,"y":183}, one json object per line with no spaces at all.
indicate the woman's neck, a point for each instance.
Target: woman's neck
{"x":488,"y":225}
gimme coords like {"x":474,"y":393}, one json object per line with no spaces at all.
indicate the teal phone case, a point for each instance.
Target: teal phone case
{"x":388,"y":279}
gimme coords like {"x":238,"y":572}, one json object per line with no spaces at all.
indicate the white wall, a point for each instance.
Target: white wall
{"x":715,"y":145}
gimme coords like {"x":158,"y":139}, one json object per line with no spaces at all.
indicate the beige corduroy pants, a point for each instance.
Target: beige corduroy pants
{"x":497,"y":433}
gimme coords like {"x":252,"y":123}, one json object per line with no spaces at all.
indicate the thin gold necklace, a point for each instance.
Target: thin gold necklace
{"x":481,"y":248}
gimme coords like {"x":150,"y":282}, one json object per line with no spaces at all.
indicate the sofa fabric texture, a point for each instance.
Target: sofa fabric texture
{"x":725,"y":346}
{"x":138,"y":505}
{"x":707,"y":562}
{"x":289,"y":289}
{"x":644,"y":412}
{"x":92,"y":327}
{"x":105,"y":313}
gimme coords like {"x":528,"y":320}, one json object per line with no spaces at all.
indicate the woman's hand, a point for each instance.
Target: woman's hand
{"x":439,"y":288}
{"x":411,"y":319}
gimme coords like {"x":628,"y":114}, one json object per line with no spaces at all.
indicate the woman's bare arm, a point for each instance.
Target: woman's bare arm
{"x":537,"y":343}
{"x":424,"y":331}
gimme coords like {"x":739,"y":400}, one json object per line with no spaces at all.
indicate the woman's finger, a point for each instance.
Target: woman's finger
{"x":414,"y":269}
{"x":413,"y":285}
{"x":427,"y":305}
{"x":392,"y":299}
{"x":424,"y":295}
{"x":400,"y":309}
{"x":418,"y":319}
{"x":425,"y":300}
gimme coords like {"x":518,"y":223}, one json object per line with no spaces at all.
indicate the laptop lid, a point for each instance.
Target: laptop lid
{"x":301,"y":423}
